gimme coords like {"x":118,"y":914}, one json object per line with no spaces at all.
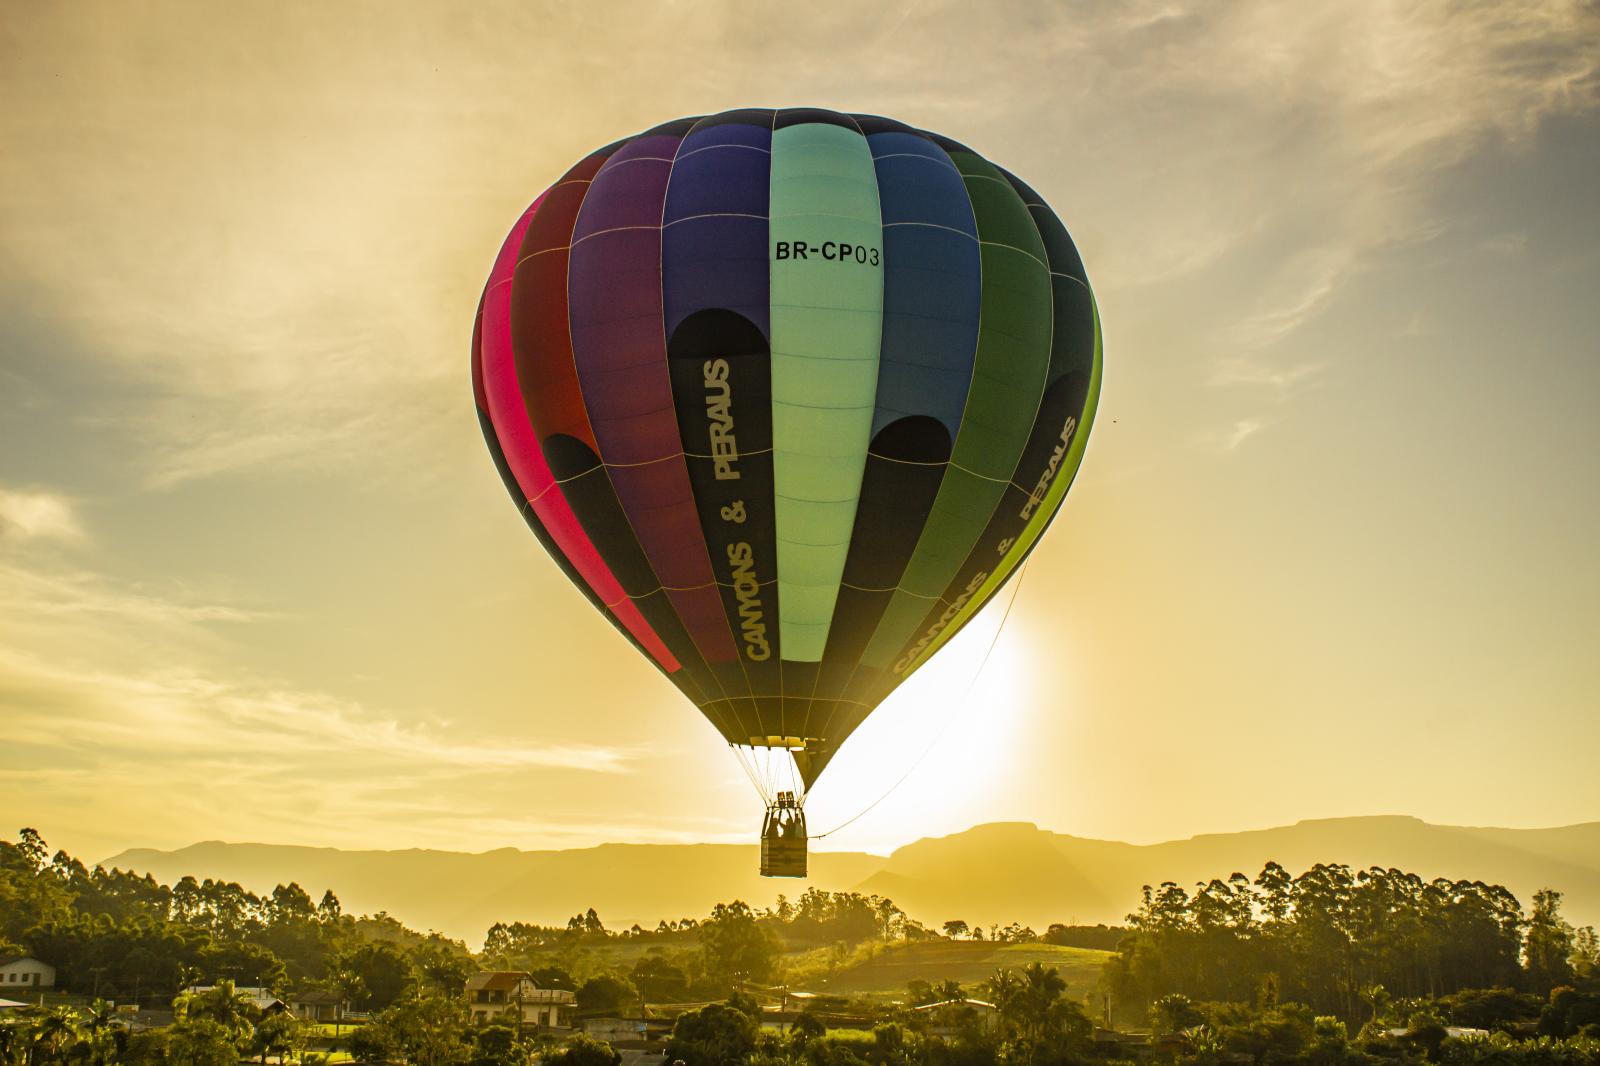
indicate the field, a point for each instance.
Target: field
{"x":965,"y":961}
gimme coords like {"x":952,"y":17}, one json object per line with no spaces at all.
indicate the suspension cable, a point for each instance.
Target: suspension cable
{"x":750,"y":771}
{"x":945,"y":728}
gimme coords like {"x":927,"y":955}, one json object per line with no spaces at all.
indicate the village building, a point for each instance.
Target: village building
{"x":949,"y":1017}
{"x":318,"y":1006}
{"x":497,"y":994}
{"x":18,"y":972}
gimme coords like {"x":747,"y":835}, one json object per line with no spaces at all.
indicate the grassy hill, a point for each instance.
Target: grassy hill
{"x":969,"y":962}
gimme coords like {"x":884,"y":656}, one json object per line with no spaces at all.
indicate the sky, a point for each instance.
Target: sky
{"x":1332,"y":550}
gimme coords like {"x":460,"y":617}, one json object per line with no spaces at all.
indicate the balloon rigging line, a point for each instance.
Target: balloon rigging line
{"x":749,"y":771}
{"x":971,"y":685}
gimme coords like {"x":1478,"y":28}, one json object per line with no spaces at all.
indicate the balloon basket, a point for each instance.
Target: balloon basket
{"x":783,"y":858}
{"x":783,"y":838}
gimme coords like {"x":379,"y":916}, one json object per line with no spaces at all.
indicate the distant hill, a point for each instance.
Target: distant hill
{"x":462,"y":893}
{"x":1001,"y":872}
{"x":1037,"y":876}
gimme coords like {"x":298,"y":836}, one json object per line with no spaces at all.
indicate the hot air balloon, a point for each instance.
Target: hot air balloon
{"x":788,"y":395}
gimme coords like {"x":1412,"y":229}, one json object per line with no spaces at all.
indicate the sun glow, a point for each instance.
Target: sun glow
{"x":945,"y":736}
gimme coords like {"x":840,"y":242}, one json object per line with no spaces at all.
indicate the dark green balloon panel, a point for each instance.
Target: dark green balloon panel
{"x":788,"y":395}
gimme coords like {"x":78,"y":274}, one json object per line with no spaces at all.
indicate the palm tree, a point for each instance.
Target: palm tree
{"x":224,"y":1004}
{"x":8,"y":1043}
{"x":1041,"y":986}
{"x":1003,"y":988}
{"x":97,"y":1024}
{"x":1173,"y":1013}
{"x":1029,"y":1001}
{"x":52,"y":1030}
{"x":278,"y":1034}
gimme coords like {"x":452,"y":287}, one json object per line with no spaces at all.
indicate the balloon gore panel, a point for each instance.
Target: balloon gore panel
{"x":788,"y":395}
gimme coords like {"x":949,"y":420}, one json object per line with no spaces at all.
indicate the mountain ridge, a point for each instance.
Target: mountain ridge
{"x":1031,"y":875}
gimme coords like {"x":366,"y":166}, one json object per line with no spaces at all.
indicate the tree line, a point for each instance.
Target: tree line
{"x":1335,"y":966}
{"x":123,"y":936}
{"x":698,"y":959}
{"x":1329,"y":936}
{"x":113,"y":934}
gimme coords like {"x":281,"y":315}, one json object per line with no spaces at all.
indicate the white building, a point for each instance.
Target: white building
{"x":19,"y":971}
{"x":496,"y":994}
{"x":948,"y":1017}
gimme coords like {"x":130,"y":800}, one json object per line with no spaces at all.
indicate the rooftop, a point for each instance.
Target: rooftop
{"x":498,"y":980}
{"x":956,"y":1003}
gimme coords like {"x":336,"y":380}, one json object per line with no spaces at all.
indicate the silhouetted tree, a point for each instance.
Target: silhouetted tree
{"x":1548,"y":948}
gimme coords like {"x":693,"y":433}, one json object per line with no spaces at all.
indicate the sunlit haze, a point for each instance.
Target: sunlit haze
{"x":1332,"y":550}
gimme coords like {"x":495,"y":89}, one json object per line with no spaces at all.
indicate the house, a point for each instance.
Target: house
{"x":318,"y":1006}
{"x":948,"y":1017}
{"x":261,"y":999}
{"x":22,"y":971}
{"x":493,"y":994}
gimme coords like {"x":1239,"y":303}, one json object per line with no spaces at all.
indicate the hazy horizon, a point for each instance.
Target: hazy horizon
{"x":1331,"y":552}
{"x":822,"y":848}
{"x":1031,"y":874}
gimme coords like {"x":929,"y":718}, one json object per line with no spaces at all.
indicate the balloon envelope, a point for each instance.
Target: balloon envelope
{"x":787,"y":395}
